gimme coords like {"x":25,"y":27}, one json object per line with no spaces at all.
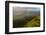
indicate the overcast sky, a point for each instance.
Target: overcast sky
{"x":21,"y":10}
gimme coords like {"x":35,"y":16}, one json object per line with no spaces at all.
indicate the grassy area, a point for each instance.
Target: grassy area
{"x":27,"y":22}
{"x":35,"y":22}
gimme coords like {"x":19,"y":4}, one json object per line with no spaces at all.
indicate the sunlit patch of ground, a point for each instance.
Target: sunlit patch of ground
{"x":35,"y":22}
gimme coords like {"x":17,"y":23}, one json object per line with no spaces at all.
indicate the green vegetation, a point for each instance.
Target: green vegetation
{"x":35,"y":22}
{"x":27,"y":22}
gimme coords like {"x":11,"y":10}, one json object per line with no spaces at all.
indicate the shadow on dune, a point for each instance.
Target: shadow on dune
{"x":21,"y":22}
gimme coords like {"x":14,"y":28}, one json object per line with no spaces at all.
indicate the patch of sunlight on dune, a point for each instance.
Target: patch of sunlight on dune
{"x":35,"y":22}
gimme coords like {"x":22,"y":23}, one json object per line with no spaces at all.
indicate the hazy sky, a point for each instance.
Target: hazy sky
{"x":21,"y":10}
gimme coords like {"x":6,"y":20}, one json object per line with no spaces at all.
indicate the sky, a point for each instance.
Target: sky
{"x":21,"y":10}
